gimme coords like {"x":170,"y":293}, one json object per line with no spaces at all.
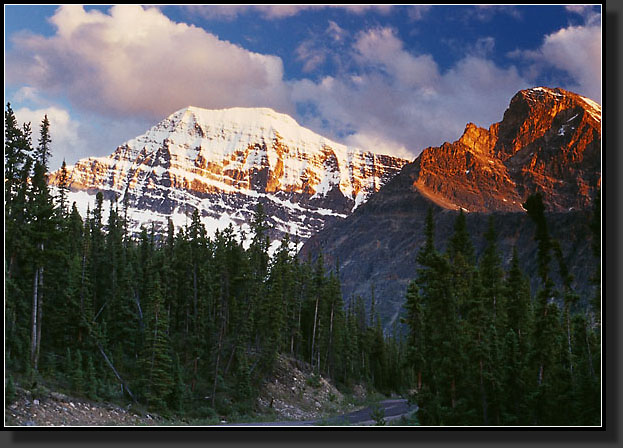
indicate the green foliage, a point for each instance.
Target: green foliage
{"x":378,"y":415}
{"x":313,"y":381}
{"x":10,"y":393}
{"x":481,"y":353}
{"x":92,"y":383}
{"x":77,"y":373}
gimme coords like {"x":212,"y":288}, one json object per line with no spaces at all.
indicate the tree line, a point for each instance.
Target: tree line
{"x":190,"y":325}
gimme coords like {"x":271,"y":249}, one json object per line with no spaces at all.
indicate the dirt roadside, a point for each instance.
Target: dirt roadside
{"x":294,"y":393}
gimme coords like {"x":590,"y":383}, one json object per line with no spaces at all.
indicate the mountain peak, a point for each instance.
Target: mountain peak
{"x":261,"y":115}
{"x":477,"y":139}
{"x":541,"y":95}
{"x":225,"y":161}
{"x":548,"y":140}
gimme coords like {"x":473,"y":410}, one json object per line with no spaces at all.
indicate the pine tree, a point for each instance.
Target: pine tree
{"x":570,"y":299}
{"x":334,"y":316}
{"x":18,"y":242}
{"x":544,"y":344}
{"x":517,"y":377}
{"x":91,"y":381}
{"x":490,"y":284}
{"x":416,"y":320}
{"x":43,"y":152}
{"x":460,"y":242}
{"x":63,"y":189}
{"x":439,"y":395}
{"x":273,"y":310}
{"x":17,"y":164}
{"x":586,"y":403}
{"x":179,"y":395}
{"x":514,"y":388}
{"x":595,"y":226}
{"x":40,"y":210}
{"x":492,"y":277}
{"x":77,"y":374}
{"x":157,"y":362}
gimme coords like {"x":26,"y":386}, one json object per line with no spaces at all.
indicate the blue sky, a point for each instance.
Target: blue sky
{"x":391,"y":79}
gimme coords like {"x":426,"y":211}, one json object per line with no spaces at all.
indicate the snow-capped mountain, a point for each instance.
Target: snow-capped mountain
{"x":223,"y":162}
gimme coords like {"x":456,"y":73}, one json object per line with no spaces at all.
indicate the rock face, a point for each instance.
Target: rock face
{"x":223,"y":162}
{"x":549,"y":141}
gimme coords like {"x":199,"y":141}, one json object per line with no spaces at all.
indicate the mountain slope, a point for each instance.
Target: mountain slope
{"x":549,"y":141}
{"x":223,"y":162}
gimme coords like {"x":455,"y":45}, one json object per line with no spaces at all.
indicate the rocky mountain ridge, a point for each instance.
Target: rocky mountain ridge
{"x":549,"y":140}
{"x":224,"y":162}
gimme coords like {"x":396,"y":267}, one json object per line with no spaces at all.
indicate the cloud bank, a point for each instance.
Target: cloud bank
{"x":275,"y":12}
{"x":575,"y":50}
{"x":399,"y":103}
{"x":135,"y":62}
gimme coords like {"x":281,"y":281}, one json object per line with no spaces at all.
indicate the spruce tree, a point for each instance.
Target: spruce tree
{"x":63,"y":189}
{"x":77,"y":373}
{"x":18,"y":241}
{"x":157,"y":362}
{"x":416,"y":320}
{"x":40,"y":210}
{"x":517,"y":378}
{"x":595,"y":226}
{"x":43,"y":152}
{"x":439,"y":396}
{"x":544,"y":342}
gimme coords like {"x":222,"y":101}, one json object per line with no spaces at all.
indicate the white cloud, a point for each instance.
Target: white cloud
{"x":382,"y":48}
{"x":484,"y":46}
{"x":379,"y":143}
{"x":336,"y":32}
{"x":231,"y":12}
{"x":400,"y":102}
{"x":588,"y":13}
{"x":577,"y":51}
{"x":28,"y":94}
{"x":417,"y":12}
{"x":311,"y":55}
{"x":314,"y":51}
{"x":135,"y":61}
{"x":486,"y":13}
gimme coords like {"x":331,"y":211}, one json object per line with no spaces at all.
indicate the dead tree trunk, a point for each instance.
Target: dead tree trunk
{"x":39,"y":318}
{"x":329,"y":353}
{"x":314,"y":332}
{"x":35,"y":305}
{"x":110,"y":364}
{"x":218,"y":359}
